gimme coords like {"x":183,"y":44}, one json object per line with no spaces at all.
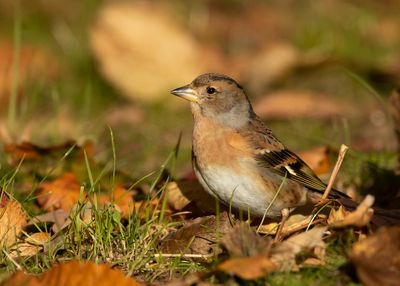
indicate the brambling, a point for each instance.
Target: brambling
{"x":237,"y":159}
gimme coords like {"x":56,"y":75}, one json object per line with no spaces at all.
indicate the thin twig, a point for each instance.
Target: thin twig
{"x":187,"y":255}
{"x":342,"y":153}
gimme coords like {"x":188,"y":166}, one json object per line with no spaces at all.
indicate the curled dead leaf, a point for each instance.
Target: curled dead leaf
{"x":38,"y":238}
{"x":284,"y":253}
{"x":377,"y":258}
{"x":294,"y":223}
{"x":31,"y":245}
{"x":360,"y":217}
{"x":12,"y":220}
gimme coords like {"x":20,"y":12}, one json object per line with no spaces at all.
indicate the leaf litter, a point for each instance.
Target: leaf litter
{"x":244,"y":250}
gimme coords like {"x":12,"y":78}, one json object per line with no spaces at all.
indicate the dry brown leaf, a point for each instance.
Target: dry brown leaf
{"x":57,"y":217}
{"x":294,"y":223}
{"x":241,"y":240}
{"x":377,"y":258}
{"x":264,"y":259}
{"x":38,"y":238}
{"x":139,"y":48}
{"x":73,"y":273}
{"x":360,"y":217}
{"x":284,"y":253}
{"x":61,"y":193}
{"x":30,"y":151}
{"x":249,"y":268}
{"x":31,"y":245}
{"x":198,"y":236}
{"x":337,"y":215}
{"x":189,"y":195}
{"x":318,"y":159}
{"x":12,"y":220}
{"x":288,"y":104}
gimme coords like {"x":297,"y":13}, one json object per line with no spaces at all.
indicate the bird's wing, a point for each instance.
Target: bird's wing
{"x":273,"y":156}
{"x":285,"y":163}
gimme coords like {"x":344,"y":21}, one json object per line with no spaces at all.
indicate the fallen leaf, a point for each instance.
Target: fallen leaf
{"x":284,"y":253}
{"x":12,"y":220}
{"x":318,"y":159}
{"x":30,"y":151}
{"x":198,"y":236}
{"x":61,"y":193}
{"x":38,"y":238}
{"x":287,"y":104}
{"x":31,"y":245}
{"x":241,"y":240}
{"x":294,"y":223}
{"x":189,"y":195}
{"x":377,"y":258}
{"x":73,"y":273}
{"x":249,"y":268}
{"x":263,"y":257}
{"x":64,"y":192}
{"x":360,"y":217}
{"x":139,"y":48}
{"x":57,"y":217}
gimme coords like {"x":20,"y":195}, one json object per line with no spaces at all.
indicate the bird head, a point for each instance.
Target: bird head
{"x":219,"y":97}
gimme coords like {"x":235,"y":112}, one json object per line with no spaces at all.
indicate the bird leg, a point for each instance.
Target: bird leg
{"x":285,"y":215}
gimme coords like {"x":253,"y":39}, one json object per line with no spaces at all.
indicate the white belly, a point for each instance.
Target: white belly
{"x":240,"y":192}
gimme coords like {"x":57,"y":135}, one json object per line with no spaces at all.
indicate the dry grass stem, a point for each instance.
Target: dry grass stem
{"x":342,"y":153}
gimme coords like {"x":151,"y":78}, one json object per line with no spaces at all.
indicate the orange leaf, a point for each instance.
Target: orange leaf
{"x":32,"y":245}
{"x":74,"y":273}
{"x":248,"y":268}
{"x":377,"y":258}
{"x":61,"y":193}
{"x":122,"y":198}
{"x":12,"y":220}
{"x":318,"y":159}
{"x":360,"y":217}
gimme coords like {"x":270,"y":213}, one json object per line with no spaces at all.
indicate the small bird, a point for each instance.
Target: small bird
{"x":237,"y":159}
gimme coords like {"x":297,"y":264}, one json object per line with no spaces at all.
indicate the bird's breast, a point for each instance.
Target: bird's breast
{"x":215,"y":145}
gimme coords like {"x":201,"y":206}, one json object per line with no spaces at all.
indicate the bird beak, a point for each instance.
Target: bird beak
{"x":185,"y":92}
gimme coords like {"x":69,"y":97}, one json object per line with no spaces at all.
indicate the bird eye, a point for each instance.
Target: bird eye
{"x":211,"y":90}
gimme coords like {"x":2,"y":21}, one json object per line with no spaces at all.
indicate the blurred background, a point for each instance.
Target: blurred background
{"x":318,"y":72}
